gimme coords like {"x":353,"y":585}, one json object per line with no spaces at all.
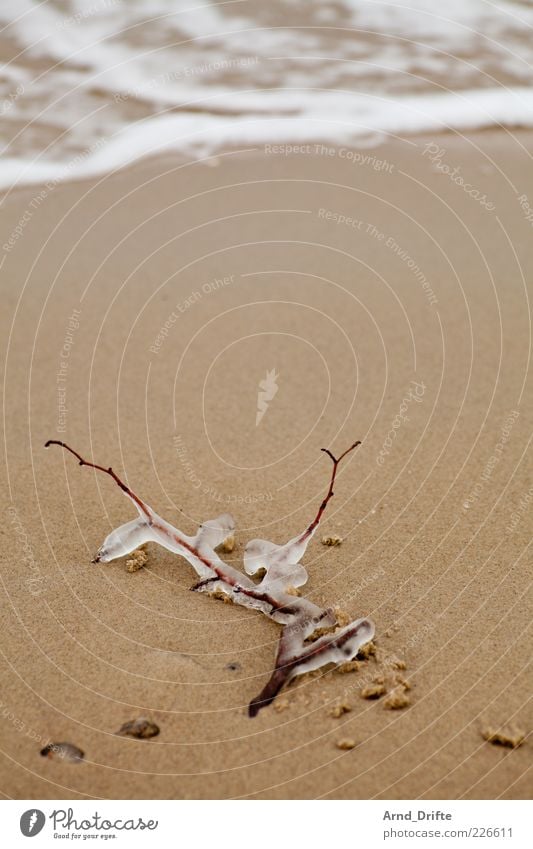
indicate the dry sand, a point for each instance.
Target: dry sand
{"x":347,"y":324}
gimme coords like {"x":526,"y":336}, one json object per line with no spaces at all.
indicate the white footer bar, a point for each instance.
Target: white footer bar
{"x":268,"y":824}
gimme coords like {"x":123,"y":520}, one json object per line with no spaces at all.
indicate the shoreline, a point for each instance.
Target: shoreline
{"x":346,"y":324}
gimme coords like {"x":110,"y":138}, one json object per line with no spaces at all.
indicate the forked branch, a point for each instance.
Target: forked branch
{"x":330,"y":492}
{"x":272,"y":595}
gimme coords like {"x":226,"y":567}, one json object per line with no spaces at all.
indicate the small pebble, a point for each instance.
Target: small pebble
{"x":65,"y":751}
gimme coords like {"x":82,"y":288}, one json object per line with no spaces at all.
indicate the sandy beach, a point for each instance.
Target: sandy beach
{"x":140,"y":312}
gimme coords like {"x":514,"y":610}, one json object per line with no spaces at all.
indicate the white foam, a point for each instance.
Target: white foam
{"x":335,"y":119}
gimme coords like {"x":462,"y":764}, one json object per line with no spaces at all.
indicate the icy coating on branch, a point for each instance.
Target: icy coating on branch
{"x":271,"y":594}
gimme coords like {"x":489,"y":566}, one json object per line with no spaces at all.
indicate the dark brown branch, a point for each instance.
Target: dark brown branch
{"x":269,"y":692}
{"x":146,"y":510}
{"x":250,"y":592}
{"x":284,"y":670}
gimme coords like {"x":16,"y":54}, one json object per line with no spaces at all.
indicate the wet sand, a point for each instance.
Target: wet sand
{"x":141,"y":311}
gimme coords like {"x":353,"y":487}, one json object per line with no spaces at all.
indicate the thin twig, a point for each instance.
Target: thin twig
{"x":108,"y":471}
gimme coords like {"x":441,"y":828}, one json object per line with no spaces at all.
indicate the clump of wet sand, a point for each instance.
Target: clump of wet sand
{"x":508,"y":735}
{"x":138,"y":559}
